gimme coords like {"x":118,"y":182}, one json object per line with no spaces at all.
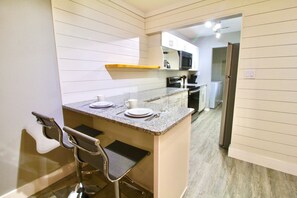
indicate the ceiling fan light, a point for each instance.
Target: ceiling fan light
{"x":217,"y":26}
{"x":208,"y":24}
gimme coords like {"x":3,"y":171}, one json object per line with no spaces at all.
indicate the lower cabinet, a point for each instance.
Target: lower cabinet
{"x":160,"y":101}
{"x":184,"y":99}
{"x":176,"y":100}
{"x":202,"y":98}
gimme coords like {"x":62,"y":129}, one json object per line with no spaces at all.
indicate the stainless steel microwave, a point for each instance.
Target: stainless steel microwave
{"x":185,"y":60}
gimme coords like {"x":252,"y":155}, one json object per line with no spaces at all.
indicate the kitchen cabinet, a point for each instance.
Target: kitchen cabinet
{"x":202,"y":98}
{"x":165,"y":44}
{"x":195,"y":57}
{"x":172,"y":58}
{"x":176,"y":43}
{"x":170,"y":41}
{"x":176,"y":100}
{"x":184,"y":99}
{"x":162,"y":100}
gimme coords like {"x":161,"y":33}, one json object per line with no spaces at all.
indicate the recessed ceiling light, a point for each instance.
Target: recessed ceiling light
{"x":208,"y":24}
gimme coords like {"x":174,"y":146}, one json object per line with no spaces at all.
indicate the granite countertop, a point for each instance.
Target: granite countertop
{"x":169,"y":117}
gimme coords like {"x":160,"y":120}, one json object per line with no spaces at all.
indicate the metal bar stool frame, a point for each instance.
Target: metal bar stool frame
{"x":48,"y":124}
{"x":99,"y":151}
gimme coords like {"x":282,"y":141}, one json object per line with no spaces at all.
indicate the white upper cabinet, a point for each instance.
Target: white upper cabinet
{"x":170,"y":41}
{"x":195,"y":58}
{"x":176,"y":43}
{"x":167,"y":40}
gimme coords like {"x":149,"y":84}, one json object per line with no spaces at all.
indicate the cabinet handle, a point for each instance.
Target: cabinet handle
{"x":195,"y":91}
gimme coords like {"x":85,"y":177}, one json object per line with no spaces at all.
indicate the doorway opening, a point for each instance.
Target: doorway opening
{"x":218,"y":68}
{"x":213,"y":61}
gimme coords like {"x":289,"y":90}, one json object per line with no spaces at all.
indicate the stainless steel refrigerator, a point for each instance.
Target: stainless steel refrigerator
{"x":229,"y":94}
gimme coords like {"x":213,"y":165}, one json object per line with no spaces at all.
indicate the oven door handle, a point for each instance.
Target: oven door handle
{"x":195,"y":91}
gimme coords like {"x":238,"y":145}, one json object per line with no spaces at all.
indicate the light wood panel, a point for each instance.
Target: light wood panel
{"x":258,"y":9}
{"x":288,"y":140}
{"x":274,"y":51}
{"x":270,"y":29}
{"x":270,"y":16}
{"x":90,"y":34}
{"x":72,"y":87}
{"x":272,"y":74}
{"x":281,"y":128}
{"x":97,"y":46}
{"x":265,"y":145}
{"x":267,"y":95}
{"x":282,"y":85}
{"x":278,"y":117}
{"x":286,"y":162}
{"x":113,"y":18}
{"x":194,"y":15}
{"x":74,"y":96}
{"x":197,"y":5}
{"x":270,"y":62}
{"x":274,"y":106}
{"x":70,"y":53}
{"x":118,"y":12}
{"x":76,"y":21}
{"x":81,"y":65}
{"x":270,"y":40}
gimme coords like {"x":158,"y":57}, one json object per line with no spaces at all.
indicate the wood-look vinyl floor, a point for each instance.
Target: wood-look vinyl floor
{"x":215,"y":175}
{"x":212,"y":173}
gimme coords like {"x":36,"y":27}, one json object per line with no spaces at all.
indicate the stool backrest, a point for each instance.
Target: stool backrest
{"x":88,"y":150}
{"x":51,"y":129}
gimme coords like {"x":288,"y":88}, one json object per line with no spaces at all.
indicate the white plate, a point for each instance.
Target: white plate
{"x":101,"y":104}
{"x":138,"y":112}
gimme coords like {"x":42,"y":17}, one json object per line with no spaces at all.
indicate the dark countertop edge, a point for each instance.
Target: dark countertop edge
{"x":155,"y":133}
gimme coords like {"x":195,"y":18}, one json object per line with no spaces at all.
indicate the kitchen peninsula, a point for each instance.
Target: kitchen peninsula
{"x":165,"y":171}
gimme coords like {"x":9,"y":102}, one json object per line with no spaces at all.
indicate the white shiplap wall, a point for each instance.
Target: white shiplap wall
{"x":92,"y":33}
{"x":265,"y":121}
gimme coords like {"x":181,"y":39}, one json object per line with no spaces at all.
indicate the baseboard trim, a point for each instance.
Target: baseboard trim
{"x":41,"y":183}
{"x":262,"y":160}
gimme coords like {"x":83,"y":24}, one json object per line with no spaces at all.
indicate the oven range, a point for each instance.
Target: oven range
{"x":193,"y":93}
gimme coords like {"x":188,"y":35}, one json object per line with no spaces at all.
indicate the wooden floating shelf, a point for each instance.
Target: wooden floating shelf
{"x":132,"y":66}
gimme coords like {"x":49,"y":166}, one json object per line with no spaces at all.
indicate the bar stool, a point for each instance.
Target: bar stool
{"x":52,"y":130}
{"x":114,"y":160}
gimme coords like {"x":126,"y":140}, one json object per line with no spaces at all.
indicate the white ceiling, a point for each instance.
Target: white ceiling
{"x":193,"y":32}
